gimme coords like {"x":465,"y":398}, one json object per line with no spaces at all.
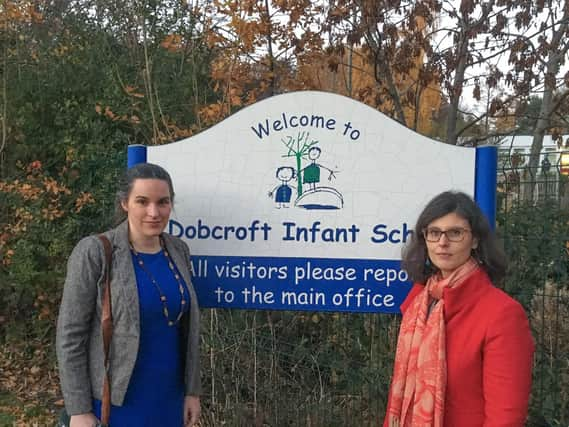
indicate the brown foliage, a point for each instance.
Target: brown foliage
{"x":29,"y":382}
{"x":261,"y":54}
{"x":36,"y":197}
{"x":257,"y":43}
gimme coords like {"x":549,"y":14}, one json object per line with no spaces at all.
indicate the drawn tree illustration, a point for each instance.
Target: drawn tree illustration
{"x":298,"y":148}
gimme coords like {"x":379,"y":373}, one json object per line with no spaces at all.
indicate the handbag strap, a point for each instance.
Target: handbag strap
{"x":107,"y":327}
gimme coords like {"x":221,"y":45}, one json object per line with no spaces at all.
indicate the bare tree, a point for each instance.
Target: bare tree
{"x":393,"y":38}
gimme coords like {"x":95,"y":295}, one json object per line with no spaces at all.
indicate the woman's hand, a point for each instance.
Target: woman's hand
{"x":83,"y":420}
{"x":192,"y":410}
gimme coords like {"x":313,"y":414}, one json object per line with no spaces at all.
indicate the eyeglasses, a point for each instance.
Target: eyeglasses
{"x":453,"y":234}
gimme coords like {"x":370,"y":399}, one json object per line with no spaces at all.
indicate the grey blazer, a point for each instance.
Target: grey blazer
{"x":79,"y":340}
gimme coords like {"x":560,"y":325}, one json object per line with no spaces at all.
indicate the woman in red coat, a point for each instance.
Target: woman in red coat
{"x":464,"y":353}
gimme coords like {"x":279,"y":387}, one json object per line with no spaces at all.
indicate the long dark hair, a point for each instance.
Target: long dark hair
{"x":488,"y":253}
{"x":126,"y":182}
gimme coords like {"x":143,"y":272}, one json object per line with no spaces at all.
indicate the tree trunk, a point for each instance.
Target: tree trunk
{"x":271,"y":55}
{"x":4,"y":113}
{"x":555,"y":57}
{"x":458,"y":82}
{"x":383,"y":75}
{"x":537,"y":144}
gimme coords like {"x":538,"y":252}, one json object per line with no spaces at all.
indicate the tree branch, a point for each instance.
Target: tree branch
{"x":4,"y":141}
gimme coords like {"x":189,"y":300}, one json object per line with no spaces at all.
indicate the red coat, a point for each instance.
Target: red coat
{"x":489,"y":351}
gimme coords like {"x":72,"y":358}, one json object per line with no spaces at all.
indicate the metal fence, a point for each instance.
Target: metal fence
{"x":534,"y":223}
{"x":328,"y":369}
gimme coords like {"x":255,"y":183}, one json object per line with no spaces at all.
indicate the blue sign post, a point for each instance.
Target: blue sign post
{"x":486,"y":181}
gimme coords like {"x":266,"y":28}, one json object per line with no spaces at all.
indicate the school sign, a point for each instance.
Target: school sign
{"x":303,"y":201}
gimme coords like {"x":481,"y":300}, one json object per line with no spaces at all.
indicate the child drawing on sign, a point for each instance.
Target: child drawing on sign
{"x":283,"y":192}
{"x":311,"y":173}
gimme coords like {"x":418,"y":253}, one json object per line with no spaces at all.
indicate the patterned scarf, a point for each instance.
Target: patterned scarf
{"x":419,"y":375}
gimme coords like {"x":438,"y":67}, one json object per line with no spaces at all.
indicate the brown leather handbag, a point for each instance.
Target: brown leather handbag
{"x":107,"y":327}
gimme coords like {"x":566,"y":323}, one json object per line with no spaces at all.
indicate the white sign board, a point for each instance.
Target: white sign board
{"x":303,"y":202}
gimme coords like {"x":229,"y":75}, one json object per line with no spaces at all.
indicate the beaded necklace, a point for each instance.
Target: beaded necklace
{"x":163,"y":298}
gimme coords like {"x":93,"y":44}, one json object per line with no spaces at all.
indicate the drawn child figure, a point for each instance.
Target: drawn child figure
{"x":311,"y":173}
{"x":283,"y":192}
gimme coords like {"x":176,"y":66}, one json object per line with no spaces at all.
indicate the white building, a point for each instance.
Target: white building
{"x":513,"y":153}
{"x":514,"y":176}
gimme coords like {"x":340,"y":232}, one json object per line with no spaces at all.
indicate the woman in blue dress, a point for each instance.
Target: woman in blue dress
{"x":154,"y":356}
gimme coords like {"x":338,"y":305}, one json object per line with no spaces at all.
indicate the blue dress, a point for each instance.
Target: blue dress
{"x":284,"y":193}
{"x":155,"y":394}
